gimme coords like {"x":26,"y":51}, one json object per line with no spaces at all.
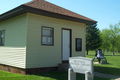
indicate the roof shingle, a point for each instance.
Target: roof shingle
{"x":46,"y":6}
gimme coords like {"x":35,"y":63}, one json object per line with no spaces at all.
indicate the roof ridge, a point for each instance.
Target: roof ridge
{"x":28,"y":3}
{"x":50,"y":7}
{"x":38,"y":0}
{"x":66,"y":9}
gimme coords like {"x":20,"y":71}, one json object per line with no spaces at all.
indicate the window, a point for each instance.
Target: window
{"x":2,"y":37}
{"x":47,"y":36}
{"x":78,"y":44}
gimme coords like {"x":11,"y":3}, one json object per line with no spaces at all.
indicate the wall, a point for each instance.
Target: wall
{"x":14,"y":49}
{"x":48,"y":56}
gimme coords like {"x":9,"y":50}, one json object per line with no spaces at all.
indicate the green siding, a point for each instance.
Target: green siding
{"x":13,"y":53}
{"x":38,"y":55}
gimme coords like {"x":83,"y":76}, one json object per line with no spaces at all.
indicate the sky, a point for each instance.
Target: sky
{"x":105,"y":12}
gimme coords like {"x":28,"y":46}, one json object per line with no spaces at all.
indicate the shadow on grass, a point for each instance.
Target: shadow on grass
{"x":101,"y":63}
{"x":107,"y":70}
{"x":110,"y":55}
{"x":64,"y":76}
{"x":104,"y":55}
{"x":91,"y":55}
{"x":57,"y":75}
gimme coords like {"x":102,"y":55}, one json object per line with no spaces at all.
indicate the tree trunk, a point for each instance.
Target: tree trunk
{"x":87,"y":49}
{"x":113,"y":48}
{"x":87,"y":52}
{"x":104,"y":51}
{"x":107,"y":51}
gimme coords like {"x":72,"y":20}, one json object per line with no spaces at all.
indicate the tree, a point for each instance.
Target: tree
{"x":111,"y":38}
{"x":114,"y":31}
{"x":93,"y":39}
{"x":117,"y":45}
{"x":105,"y":39}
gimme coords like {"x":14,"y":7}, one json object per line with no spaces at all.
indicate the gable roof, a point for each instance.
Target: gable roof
{"x":43,"y":7}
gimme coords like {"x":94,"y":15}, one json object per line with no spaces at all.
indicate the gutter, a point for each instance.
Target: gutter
{"x":24,"y":9}
{"x":12,"y":13}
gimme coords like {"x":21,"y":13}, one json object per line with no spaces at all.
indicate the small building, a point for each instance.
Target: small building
{"x":38,"y":35}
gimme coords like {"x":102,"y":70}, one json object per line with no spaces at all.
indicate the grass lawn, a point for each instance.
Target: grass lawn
{"x":43,"y":76}
{"x":112,"y":68}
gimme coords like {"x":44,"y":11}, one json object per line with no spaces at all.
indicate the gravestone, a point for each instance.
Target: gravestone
{"x":80,"y":65}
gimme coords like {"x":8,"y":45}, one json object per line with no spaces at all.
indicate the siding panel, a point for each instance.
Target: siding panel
{"x":48,"y":56}
{"x":13,"y":53}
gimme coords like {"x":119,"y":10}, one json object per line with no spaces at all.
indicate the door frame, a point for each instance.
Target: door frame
{"x":66,"y":61}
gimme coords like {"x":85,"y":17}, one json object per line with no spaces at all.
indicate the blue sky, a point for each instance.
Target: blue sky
{"x":106,"y":12}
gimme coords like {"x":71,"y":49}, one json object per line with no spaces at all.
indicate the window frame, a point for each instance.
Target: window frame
{"x":78,"y":45}
{"x":51,"y":35}
{"x":1,"y":38}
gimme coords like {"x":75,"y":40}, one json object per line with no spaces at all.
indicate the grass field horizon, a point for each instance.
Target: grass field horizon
{"x":113,"y":68}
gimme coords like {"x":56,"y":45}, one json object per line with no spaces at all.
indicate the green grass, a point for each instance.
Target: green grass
{"x":43,"y":76}
{"x":113,"y":66}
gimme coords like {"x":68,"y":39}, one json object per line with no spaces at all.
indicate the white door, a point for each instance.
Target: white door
{"x":65,"y":45}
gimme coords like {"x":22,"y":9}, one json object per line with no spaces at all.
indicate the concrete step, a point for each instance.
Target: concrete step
{"x":63,"y":66}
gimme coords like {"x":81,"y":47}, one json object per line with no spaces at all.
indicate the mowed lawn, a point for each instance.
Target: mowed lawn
{"x":43,"y":76}
{"x":112,"y":68}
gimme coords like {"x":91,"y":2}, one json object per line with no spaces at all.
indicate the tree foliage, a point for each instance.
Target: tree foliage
{"x":105,"y":39}
{"x":93,"y":39}
{"x":117,"y":44}
{"x":111,"y":38}
{"x":114,"y":31}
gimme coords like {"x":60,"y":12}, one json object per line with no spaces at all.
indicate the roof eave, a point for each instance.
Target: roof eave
{"x":12,"y":13}
{"x":23,"y":9}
